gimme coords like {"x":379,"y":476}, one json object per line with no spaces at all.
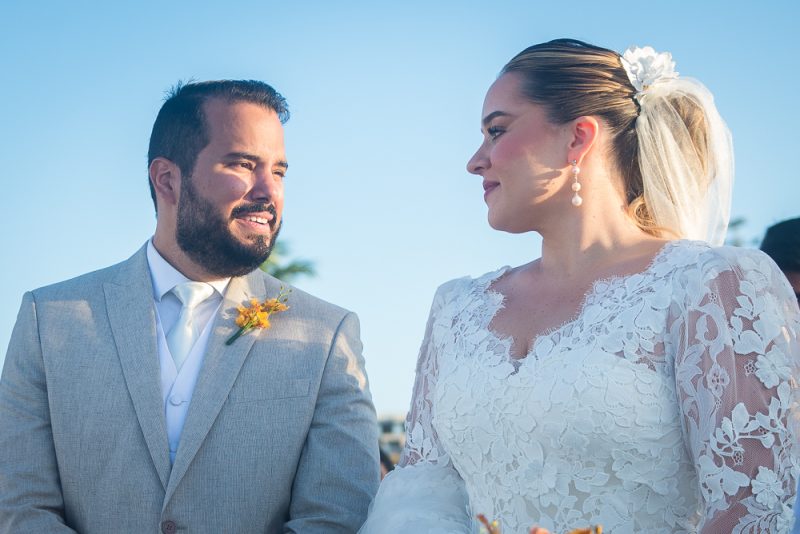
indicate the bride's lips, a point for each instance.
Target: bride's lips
{"x":488,"y":187}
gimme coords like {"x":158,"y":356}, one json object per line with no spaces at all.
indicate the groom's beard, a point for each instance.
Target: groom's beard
{"x":203,"y":233}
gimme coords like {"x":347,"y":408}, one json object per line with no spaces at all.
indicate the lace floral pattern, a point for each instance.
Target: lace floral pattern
{"x":662,"y":407}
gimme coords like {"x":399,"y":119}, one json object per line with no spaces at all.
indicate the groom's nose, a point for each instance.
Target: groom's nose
{"x":266,"y":186}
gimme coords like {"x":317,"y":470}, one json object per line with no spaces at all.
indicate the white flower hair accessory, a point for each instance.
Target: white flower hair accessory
{"x":646,"y":67}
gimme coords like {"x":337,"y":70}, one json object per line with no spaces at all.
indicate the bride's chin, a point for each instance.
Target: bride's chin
{"x":509,"y":226}
{"x":496,"y":220}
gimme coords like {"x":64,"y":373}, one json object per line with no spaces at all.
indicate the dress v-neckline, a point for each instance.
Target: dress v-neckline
{"x":498,"y":298}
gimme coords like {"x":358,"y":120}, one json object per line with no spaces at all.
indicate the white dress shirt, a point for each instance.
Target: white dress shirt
{"x":177,"y":387}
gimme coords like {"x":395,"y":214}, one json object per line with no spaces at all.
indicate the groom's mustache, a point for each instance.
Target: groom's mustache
{"x":256,"y":208}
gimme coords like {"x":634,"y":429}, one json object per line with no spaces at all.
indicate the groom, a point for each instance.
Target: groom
{"x":122,"y":407}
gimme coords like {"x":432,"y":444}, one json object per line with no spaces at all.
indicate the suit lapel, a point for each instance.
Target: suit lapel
{"x":221,"y":366}
{"x":129,"y":304}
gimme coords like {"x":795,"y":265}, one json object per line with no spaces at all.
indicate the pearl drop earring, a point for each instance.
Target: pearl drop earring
{"x":576,"y":186}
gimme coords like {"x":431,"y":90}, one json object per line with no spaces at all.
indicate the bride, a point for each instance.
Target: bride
{"x":637,"y":375}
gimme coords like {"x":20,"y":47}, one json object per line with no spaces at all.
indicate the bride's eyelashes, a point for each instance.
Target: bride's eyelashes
{"x":494,"y":132}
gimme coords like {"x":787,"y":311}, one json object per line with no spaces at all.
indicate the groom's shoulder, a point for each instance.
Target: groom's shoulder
{"x":307,"y":304}
{"x":82,"y":286}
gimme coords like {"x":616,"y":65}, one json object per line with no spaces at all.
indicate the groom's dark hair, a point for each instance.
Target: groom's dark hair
{"x":180,"y":131}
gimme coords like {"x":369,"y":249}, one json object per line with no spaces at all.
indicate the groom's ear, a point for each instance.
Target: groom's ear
{"x":166,"y":179}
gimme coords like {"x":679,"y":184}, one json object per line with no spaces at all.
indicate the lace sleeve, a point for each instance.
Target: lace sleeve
{"x":424,"y":493}
{"x":736,"y":333}
{"x":422,"y":443}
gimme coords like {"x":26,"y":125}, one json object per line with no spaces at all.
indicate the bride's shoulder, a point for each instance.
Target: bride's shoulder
{"x":465,"y":286}
{"x":468,"y":282}
{"x":699,"y":264}
{"x":705,"y":257}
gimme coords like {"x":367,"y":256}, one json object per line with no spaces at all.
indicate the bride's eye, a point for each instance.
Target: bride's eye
{"x":494,"y":132}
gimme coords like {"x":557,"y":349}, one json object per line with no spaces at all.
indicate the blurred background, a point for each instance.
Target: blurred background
{"x":385,"y":100}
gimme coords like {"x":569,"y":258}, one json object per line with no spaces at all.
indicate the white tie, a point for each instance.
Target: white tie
{"x":184,"y":332}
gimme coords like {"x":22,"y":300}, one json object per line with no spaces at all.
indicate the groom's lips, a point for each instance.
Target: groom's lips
{"x":260,"y":222}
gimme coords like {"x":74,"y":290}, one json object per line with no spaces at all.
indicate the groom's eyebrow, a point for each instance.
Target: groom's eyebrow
{"x":255,"y":159}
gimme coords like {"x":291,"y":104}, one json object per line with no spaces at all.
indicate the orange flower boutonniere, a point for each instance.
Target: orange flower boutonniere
{"x":493,"y":527}
{"x":256,"y":314}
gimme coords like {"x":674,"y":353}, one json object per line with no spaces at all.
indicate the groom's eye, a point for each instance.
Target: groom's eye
{"x":249,"y":165}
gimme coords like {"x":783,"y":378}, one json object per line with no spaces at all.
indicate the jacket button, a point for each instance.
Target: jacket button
{"x":169,"y":527}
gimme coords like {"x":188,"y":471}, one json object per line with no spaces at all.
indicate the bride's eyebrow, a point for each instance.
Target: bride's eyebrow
{"x":493,"y":115}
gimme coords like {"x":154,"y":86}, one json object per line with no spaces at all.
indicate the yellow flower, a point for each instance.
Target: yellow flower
{"x":493,"y":527}
{"x":256,"y":315}
{"x":262,"y":320}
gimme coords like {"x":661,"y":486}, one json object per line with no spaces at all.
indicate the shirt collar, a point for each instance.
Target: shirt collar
{"x":164,"y":276}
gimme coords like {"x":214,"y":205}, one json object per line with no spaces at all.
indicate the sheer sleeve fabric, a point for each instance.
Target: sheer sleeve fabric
{"x":424,"y":493}
{"x":736,"y":334}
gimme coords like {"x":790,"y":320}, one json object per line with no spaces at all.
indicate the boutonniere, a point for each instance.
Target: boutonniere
{"x":256,"y":314}
{"x":493,"y":527}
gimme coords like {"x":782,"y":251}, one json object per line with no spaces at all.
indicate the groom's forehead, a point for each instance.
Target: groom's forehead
{"x":225,"y":119}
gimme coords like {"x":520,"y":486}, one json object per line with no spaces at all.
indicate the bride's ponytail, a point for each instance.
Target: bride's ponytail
{"x":685,"y":149}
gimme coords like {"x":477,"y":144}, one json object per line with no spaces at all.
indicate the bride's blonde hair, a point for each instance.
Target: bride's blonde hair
{"x":570,"y":78}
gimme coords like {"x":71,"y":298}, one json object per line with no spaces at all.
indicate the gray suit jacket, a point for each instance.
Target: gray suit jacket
{"x":280,"y":435}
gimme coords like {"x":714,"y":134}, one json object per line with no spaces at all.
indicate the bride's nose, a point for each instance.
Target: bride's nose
{"x":479,"y":162}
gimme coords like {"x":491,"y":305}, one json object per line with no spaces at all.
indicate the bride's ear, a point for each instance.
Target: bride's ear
{"x":583,"y":134}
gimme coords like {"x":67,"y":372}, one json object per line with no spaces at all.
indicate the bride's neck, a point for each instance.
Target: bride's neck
{"x":593,"y":240}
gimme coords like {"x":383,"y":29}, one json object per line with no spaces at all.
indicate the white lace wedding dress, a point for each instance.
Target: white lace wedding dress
{"x":662,"y":407}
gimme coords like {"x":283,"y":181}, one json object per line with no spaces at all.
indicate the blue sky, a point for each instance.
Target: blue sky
{"x":385,"y":101}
